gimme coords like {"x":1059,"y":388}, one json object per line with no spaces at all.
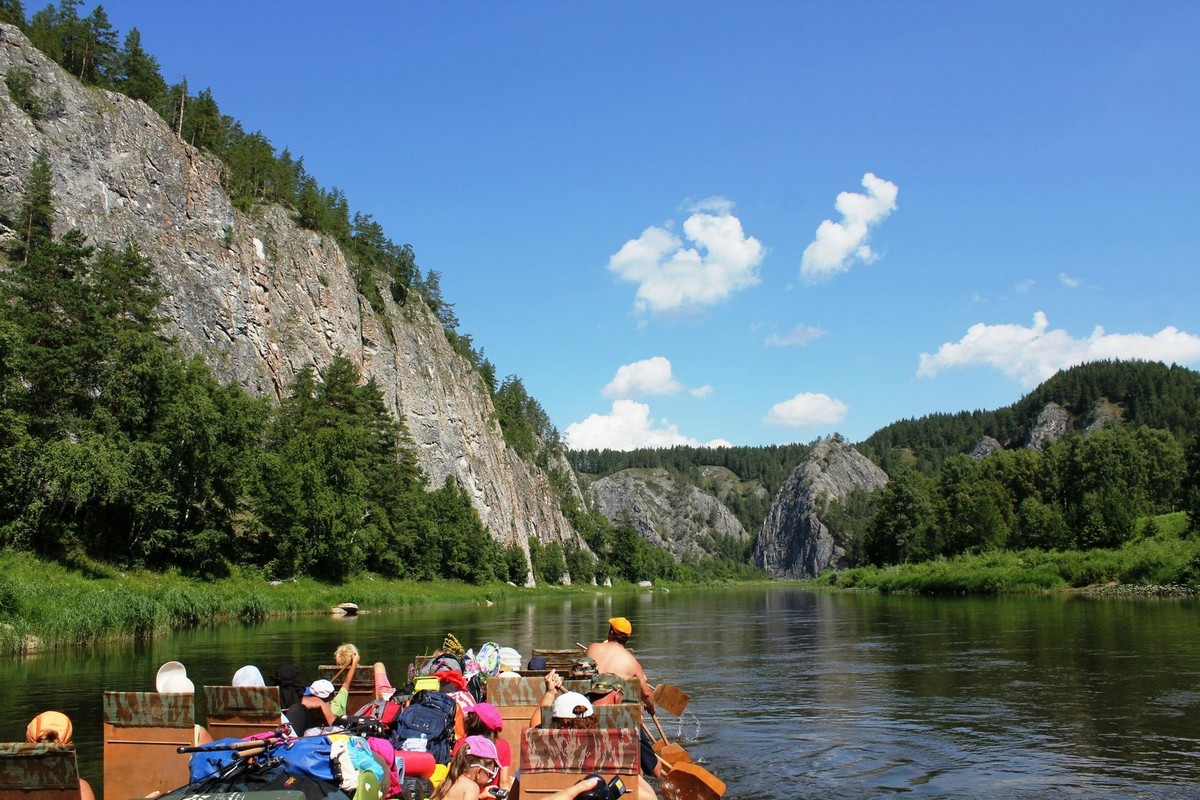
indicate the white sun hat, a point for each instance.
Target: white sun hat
{"x":172,"y":679}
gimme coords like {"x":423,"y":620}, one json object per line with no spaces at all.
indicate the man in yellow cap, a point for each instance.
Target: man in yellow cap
{"x":613,"y":657}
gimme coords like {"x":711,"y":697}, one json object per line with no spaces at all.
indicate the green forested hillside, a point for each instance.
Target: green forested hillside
{"x":1148,"y":393}
{"x":1079,"y":493}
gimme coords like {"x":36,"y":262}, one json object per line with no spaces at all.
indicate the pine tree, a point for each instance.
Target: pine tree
{"x":97,"y":48}
{"x":35,"y":220}
{"x":12,"y":12}
{"x":137,"y":73}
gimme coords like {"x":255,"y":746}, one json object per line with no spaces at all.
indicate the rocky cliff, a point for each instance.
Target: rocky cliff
{"x":794,"y":542}
{"x":667,"y":512}
{"x":255,"y":294}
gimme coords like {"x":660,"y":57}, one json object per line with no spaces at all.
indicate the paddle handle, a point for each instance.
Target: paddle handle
{"x":661,"y":733}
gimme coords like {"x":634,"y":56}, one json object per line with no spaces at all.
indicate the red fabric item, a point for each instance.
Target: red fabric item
{"x":450,"y":676}
{"x":415,"y":763}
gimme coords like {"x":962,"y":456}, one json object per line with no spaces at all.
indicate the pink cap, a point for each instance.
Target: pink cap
{"x":482,"y":747}
{"x":489,"y":715}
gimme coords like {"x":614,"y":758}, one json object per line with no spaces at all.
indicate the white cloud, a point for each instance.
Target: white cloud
{"x":672,"y":277}
{"x":628,"y":427}
{"x":701,"y":391}
{"x":1031,"y":355}
{"x":1069,"y":282}
{"x":646,"y":377}
{"x":798,"y":336}
{"x":839,"y":244}
{"x":1025,"y":286}
{"x":805,"y":410}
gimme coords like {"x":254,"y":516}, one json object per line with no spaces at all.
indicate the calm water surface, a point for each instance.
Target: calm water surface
{"x":796,"y":695}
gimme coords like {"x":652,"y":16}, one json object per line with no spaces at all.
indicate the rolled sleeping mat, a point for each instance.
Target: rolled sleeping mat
{"x":417,"y":763}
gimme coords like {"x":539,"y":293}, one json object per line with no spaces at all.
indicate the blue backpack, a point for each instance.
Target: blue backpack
{"x":430,"y":714}
{"x":308,"y":756}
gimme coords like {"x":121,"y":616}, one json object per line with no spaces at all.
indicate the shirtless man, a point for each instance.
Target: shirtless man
{"x":612,"y":657}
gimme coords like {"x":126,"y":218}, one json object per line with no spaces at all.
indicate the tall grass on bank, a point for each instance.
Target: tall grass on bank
{"x":46,"y":605}
{"x":1164,"y":559}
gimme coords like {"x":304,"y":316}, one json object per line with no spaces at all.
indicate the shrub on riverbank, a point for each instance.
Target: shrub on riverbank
{"x":1162,"y":559}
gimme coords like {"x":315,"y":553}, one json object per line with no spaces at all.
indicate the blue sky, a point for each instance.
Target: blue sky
{"x":753,"y":222}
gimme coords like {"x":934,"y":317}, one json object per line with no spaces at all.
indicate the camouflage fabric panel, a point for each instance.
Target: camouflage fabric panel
{"x":624,"y":715}
{"x":364,"y":677}
{"x":515,"y":691}
{"x":38,"y":766}
{"x":248,"y":701}
{"x":631,"y":688}
{"x":606,"y":750}
{"x":149,"y":709}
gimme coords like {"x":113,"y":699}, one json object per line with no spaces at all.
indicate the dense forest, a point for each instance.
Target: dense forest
{"x":1087,"y":490}
{"x":117,"y":448}
{"x":1148,"y":393}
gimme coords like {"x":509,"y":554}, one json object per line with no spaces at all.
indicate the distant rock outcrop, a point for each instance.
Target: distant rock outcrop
{"x":985,"y":447}
{"x":1053,"y":423}
{"x":1104,"y":414}
{"x":666,"y":511}
{"x":258,"y":296}
{"x":794,"y":542}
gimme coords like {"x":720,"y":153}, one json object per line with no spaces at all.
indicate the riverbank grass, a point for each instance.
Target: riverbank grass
{"x":1164,"y":559}
{"x":46,"y":605}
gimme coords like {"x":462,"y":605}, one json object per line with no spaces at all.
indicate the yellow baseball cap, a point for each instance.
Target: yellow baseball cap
{"x":621,"y":625}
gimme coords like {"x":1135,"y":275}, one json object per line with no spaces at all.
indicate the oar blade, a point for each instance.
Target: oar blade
{"x":675,"y":754}
{"x":671,"y":699}
{"x":691,"y":782}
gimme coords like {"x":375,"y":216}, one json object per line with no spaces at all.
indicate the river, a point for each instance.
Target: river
{"x":795,"y":694}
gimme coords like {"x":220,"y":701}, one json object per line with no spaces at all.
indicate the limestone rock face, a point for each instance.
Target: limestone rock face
{"x":794,"y":542}
{"x":256,"y":295}
{"x":667,"y":512}
{"x":985,"y":447}
{"x":1105,"y":414}
{"x":1053,"y":423}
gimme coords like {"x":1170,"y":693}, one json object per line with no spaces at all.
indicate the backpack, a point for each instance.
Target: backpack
{"x":477,"y":688}
{"x":430,"y":714}
{"x":386,"y":711}
{"x":363,"y":726}
{"x":307,"y":756}
{"x":350,"y":755}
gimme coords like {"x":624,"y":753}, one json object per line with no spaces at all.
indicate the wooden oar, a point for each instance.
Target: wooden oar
{"x":668,"y":752}
{"x":682,"y":779}
{"x":671,"y":699}
{"x":691,"y":782}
